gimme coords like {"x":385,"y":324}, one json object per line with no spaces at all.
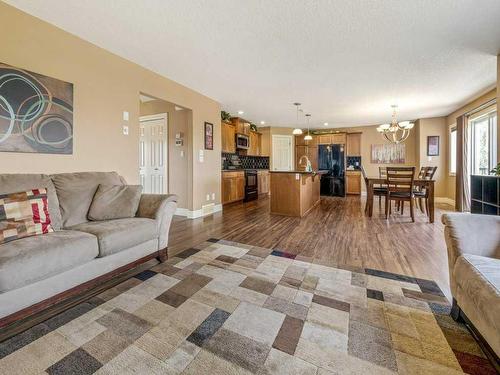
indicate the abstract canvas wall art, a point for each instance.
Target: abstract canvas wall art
{"x":36,"y":112}
{"x":388,"y":154}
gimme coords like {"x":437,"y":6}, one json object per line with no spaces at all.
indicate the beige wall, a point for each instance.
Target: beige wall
{"x":179,"y":177}
{"x":428,"y":127}
{"x":105,"y":85}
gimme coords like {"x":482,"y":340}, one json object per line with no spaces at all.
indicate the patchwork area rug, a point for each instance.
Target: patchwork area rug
{"x":229,"y":308}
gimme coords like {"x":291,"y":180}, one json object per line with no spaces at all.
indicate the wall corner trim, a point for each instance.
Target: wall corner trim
{"x":196,"y":213}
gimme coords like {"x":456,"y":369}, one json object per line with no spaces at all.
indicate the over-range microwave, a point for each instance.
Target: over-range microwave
{"x":242,"y":141}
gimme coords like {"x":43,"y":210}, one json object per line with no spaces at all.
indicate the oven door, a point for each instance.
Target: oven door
{"x":242,"y":141}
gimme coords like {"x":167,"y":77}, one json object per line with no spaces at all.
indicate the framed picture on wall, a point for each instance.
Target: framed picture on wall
{"x":209,"y":136}
{"x":433,"y":145}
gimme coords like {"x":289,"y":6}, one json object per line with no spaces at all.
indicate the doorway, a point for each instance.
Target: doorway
{"x":153,"y":135}
{"x":282,"y":153}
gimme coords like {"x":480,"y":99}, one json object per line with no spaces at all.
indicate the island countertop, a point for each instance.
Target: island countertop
{"x":301,"y":172}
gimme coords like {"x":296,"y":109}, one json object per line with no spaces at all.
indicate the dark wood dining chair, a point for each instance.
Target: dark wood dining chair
{"x":382,"y":173}
{"x":400,"y":188}
{"x":422,"y":194}
{"x":377,"y":191}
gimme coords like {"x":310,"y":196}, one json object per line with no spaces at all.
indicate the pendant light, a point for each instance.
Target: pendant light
{"x":297,"y":131}
{"x":308,"y":137}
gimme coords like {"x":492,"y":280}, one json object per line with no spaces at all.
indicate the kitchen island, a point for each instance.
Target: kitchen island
{"x":294,"y":193}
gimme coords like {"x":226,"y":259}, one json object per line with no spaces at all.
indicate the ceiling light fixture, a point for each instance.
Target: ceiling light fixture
{"x":308,"y":137}
{"x":297,"y":130}
{"x":326,"y":124}
{"x":262,"y":122}
{"x":395,"y":132}
{"x":240,"y":112}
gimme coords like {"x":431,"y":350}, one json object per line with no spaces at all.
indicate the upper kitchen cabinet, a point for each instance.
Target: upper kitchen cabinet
{"x":228,"y":132}
{"x":242,"y":126}
{"x":255,"y":139}
{"x":300,"y":141}
{"x":354,"y":144}
{"x":328,"y":139}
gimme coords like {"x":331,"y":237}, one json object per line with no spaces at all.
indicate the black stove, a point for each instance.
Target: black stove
{"x":251,"y":185}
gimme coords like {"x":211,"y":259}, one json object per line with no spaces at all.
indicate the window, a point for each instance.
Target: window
{"x":483,"y":143}
{"x":453,"y":150}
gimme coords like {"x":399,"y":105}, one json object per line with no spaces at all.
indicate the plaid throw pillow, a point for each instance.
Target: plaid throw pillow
{"x":24,"y":214}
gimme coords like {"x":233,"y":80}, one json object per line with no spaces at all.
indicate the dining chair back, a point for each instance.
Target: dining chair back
{"x":400,"y":183}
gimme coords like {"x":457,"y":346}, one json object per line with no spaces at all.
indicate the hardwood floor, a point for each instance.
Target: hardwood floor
{"x":336,"y":230}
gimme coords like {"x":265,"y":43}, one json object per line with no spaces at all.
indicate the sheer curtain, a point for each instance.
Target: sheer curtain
{"x":462,"y":189}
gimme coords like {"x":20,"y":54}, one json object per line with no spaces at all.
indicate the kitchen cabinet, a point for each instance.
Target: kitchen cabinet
{"x":354,"y":144}
{"x":254,"y":149}
{"x":233,"y":186}
{"x":325,"y":139}
{"x":300,"y":141}
{"x":328,"y":139}
{"x":242,"y":126}
{"x":228,"y":133}
{"x":353,"y":182}
{"x":311,"y":152}
{"x":263,"y":182}
{"x":339,"y":139}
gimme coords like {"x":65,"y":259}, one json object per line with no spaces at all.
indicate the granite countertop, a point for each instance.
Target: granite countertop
{"x":301,"y":172}
{"x":245,"y":169}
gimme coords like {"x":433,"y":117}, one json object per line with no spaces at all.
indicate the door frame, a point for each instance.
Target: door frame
{"x":159,"y":116}
{"x":290,"y":138}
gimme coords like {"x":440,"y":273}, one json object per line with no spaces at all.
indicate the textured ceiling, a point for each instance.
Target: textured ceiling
{"x":346,"y":61}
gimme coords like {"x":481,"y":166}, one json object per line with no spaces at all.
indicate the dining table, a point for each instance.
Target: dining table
{"x":422,"y":183}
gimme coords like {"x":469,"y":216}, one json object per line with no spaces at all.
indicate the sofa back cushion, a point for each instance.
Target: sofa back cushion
{"x":75,"y":192}
{"x":13,"y":183}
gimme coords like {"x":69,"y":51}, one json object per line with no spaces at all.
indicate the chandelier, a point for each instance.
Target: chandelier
{"x":395,"y":132}
{"x":297,"y":130}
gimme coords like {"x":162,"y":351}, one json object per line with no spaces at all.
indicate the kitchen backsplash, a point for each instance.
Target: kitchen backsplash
{"x":244,"y":162}
{"x":352,"y":160}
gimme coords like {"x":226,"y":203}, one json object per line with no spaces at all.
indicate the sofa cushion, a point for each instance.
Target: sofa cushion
{"x":31,"y":259}
{"x":12,"y":183}
{"x":76,"y":190}
{"x":24,"y":214}
{"x":119,"y":234}
{"x":115,"y":202}
{"x":478,"y":294}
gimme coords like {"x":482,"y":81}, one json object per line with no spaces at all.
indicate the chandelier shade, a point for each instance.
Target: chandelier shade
{"x":396,"y":132}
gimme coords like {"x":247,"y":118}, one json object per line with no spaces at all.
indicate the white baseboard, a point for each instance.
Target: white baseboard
{"x":196,"y":213}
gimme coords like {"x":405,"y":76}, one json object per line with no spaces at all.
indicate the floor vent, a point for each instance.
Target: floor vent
{"x":207,"y":209}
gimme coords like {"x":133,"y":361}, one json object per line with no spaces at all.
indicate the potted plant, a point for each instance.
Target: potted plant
{"x":496,"y":170}
{"x":225,"y":116}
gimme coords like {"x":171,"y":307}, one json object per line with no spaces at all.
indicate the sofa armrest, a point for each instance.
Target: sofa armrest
{"x":471,"y":234}
{"x":160,"y":207}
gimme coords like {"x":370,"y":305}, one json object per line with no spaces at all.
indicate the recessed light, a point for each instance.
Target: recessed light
{"x":240,"y":112}
{"x":326,"y":124}
{"x":262,"y":122}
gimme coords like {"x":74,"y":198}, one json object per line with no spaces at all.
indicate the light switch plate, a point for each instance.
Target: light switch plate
{"x":125,"y":129}
{"x":201,"y":156}
{"x":125,"y":116}
{"x":297,"y":176}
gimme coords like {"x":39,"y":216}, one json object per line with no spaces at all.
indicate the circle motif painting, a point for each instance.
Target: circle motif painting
{"x":36,"y":112}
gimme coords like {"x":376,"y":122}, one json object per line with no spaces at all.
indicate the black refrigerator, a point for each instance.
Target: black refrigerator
{"x":331,"y":158}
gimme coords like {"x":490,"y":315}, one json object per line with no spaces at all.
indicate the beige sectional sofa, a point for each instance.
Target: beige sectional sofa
{"x":473,"y":243}
{"x":34,"y":270}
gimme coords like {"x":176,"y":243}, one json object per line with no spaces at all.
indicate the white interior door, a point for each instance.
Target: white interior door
{"x":282,"y":152}
{"x":153,"y":154}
